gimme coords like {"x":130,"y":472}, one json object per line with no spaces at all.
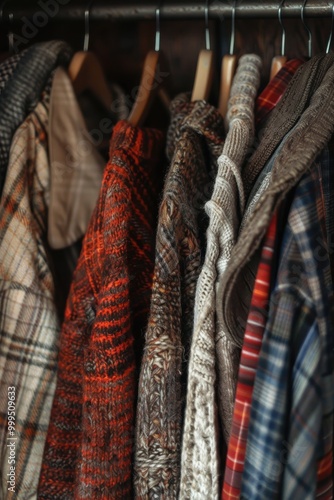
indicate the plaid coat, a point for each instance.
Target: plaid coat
{"x":29,"y":325}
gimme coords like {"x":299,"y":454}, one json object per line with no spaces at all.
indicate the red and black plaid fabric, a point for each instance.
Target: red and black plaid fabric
{"x":273,"y":92}
{"x":248,"y":364}
{"x":90,"y":438}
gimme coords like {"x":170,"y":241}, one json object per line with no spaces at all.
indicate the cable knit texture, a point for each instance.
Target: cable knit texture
{"x":200,"y":451}
{"x":312,"y":133}
{"x":89,"y":447}
{"x":182,"y":222}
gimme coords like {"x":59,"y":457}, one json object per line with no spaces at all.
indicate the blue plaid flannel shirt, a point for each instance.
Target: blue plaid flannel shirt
{"x":291,"y":425}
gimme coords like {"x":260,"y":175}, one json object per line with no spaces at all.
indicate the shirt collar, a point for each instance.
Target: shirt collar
{"x":76,"y":166}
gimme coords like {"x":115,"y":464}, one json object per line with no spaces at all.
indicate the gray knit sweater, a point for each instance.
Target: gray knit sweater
{"x":200,"y":450}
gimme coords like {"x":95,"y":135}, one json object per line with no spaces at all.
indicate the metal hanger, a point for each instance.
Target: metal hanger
{"x":11,"y":46}
{"x":152,"y":80}
{"x":329,"y":43}
{"x":232,"y":39}
{"x":309,"y":45}
{"x":278,"y":61}
{"x":157,"y":46}
{"x":205,"y":65}
{"x":86,"y":72}
{"x":228,"y":67}
{"x":86,"y":38}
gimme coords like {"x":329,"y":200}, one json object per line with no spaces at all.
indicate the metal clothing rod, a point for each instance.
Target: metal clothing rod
{"x":184,"y":9}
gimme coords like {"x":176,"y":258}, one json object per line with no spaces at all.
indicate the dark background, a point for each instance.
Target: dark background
{"x":121,"y":45}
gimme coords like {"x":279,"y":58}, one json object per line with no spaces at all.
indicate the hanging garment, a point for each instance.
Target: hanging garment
{"x":76,"y":166}
{"x":248,"y":364}
{"x":44,"y":147}
{"x":265,"y":103}
{"x":200,"y":469}
{"x":28,"y":322}
{"x":273,"y":92}
{"x":295,"y":100}
{"x":302,"y":146}
{"x":76,"y":169}
{"x":23,"y":88}
{"x":291,"y":423}
{"x":99,"y":120}
{"x":90,"y":438}
{"x":236,"y":286}
{"x":261,"y":184}
{"x":260,"y":298}
{"x":7,"y":67}
{"x":182,"y":221}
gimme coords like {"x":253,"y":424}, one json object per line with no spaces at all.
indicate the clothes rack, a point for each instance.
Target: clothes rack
{"x":187,"y":9}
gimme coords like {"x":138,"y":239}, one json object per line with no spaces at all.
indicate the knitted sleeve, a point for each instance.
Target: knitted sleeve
{"x":200,"y":453}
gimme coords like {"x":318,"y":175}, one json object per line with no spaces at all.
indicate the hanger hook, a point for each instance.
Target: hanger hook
{"x":232,"y":40}
{"x":157,"y":27}
{"x":1,"y":10}
{"x":302,"y":12}
{"x":329,"y":43}
{"x":11,"y":46}
{"x":282,"y":27}
{"x":12,"y":49}
{"x":207,"y":29}
{"x":87,"y":15}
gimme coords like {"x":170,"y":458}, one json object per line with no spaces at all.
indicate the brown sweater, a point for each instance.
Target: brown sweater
{"x":182,"y":222}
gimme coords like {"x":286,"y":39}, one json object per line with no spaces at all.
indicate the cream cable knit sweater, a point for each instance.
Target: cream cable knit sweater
{"x":200,"y":450}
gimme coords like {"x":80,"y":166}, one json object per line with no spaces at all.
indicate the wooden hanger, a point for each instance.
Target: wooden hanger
{"x":86,"y":72}
{"x":228,"y":68}
{"x":229,"y":65}
{"x":153,"y":77}
{"x":205,"y":65}
{"x":278,"y":61}
{"x":277,"y":64}
{"x":204,"y":76}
